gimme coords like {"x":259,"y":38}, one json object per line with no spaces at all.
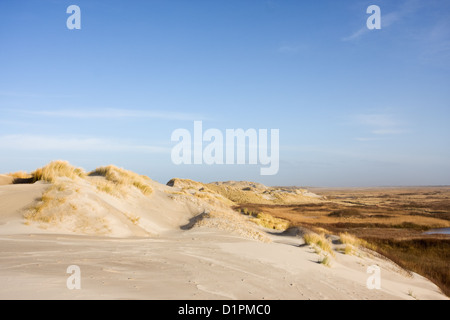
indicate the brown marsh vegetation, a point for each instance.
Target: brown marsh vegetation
{"x":391,"y":220}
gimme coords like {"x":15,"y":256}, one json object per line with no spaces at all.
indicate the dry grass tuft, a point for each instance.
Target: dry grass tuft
{"x":133,"y":218}
{"x":318,"y":240}
{"x":57,"y":169}
{"x":326,"y":261}
{"x":266,"y":220}
{"x":350,"y":242}
{"x":20,"y":175}
{"x":49,"y":199}
{"x":347,"y":238}
{"x":106,"y":187}
{"x":145,"y":188}
{"x":121,"y":177}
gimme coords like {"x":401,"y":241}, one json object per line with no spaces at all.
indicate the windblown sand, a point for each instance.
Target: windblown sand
{"x":157,"y":247}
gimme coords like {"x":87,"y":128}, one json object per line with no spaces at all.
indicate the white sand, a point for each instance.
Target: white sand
{"x":155,"y":259}
{"x":196,"y":264}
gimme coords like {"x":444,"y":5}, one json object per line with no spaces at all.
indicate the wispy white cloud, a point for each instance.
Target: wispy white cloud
{"x":356,"y":35}
{"x":388,"y":131}
{"x":366,"y":139}
{"x":376,"y":120}
{"x":110,"y":113}
{"x":377,"y":125}
{"x":23,"y":142}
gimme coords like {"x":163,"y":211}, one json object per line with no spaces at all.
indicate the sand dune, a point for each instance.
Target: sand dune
{"x":4,"y":179}
{"x":135,"y":238}
{"x":14,"y":201}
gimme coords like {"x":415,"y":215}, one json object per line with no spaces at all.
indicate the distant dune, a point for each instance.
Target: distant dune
{"x":4,"y":179}
{"x":136,"y":238}
{"x":116,"y":202}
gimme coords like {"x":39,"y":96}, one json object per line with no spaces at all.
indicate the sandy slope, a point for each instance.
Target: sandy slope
{"x":136,"y":246}
{"x":197,"y":264}
{"x":14,"y":200}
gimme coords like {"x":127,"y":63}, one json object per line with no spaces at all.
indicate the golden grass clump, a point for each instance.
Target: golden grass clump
{"x":57,"y":169}
{"x":270,"y":222}
{"x":107,"y":187}
{"x":145,"y":188}
{"x":20,"y":175}
{"x":266,"y":220}
{"x":351,"y":243}
{"x":347,"y":238}
{"x":41,"y":211}
{"x":122,"y":177}
{"x":326,"y":261}
{"x":318,"y":240}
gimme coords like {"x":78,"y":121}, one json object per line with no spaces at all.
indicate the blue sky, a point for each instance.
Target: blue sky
{"x":355,"y":107}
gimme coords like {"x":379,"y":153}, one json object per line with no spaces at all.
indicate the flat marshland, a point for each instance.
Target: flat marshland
{"x":393,"y":221}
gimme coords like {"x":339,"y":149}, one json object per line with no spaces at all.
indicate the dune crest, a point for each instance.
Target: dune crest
{"x":111,"y":201}
{"x":239,"y":192}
